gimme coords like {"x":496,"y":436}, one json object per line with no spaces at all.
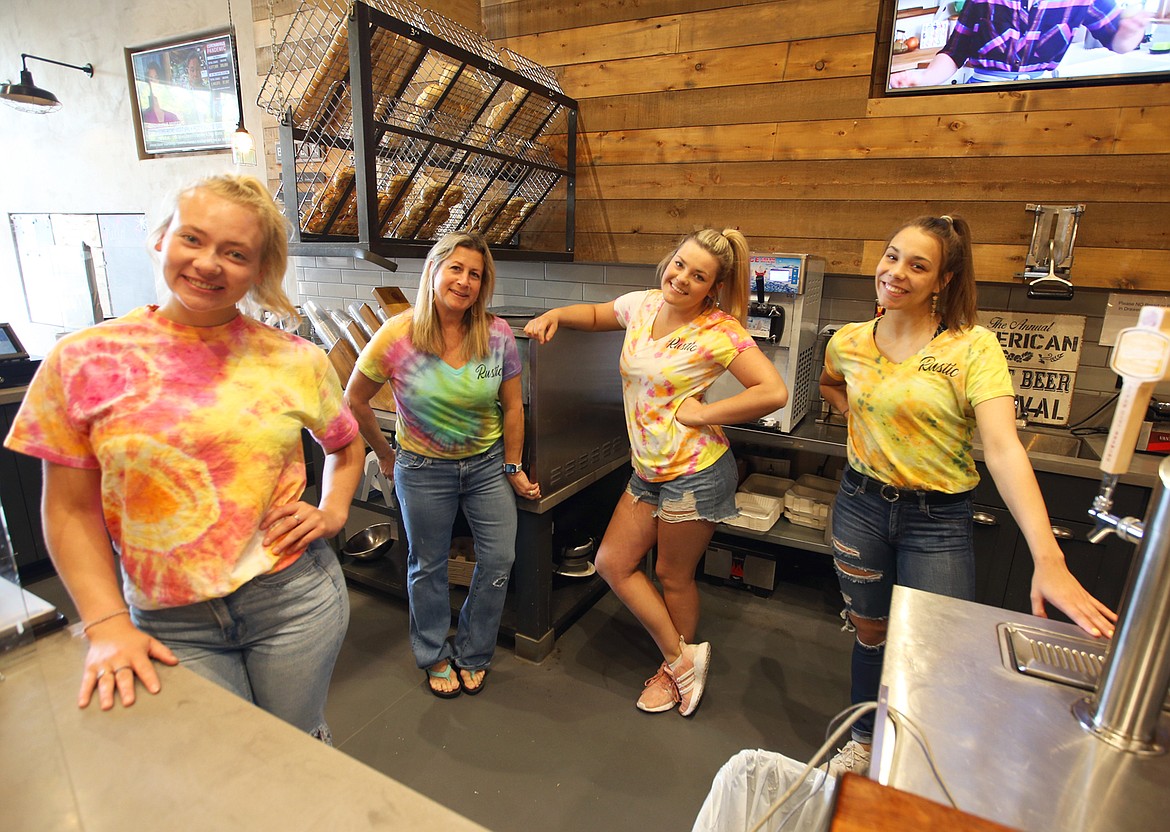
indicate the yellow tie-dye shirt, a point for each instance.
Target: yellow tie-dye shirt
{"x":658,"y":375}
{"x":197,"y":433}
{"x":911,"y":423}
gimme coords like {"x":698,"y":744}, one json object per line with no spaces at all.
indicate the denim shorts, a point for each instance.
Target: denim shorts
{"x":708,"y":494}
{"x":917,"y":539}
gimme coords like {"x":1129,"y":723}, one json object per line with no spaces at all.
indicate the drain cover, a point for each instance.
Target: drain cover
{"x":1054,"y":656}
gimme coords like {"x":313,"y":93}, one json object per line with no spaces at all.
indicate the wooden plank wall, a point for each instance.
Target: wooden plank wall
{"x":758,"y":114}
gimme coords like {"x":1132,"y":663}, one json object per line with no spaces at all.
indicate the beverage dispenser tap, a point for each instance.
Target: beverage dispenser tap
{"x":1125,"y":709}
{"x":1141,"y":357}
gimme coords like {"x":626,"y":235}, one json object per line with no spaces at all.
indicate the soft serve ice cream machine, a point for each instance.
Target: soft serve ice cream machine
{"x":783,"y":318}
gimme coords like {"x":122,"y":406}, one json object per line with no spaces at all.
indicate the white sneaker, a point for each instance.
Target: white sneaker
{"x":690,"y":675}
{"x":852,"y":757}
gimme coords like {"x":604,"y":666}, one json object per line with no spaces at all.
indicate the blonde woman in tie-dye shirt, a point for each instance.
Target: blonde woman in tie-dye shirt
{"x":455,"y":374}
{"x":178,"y":429}
{"x":915,"y":383}
{"x":679,"y":339}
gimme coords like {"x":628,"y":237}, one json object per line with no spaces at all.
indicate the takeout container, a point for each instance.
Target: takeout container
{"x":757,"y":512}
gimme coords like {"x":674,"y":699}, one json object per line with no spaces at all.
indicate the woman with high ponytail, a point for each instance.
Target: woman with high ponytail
{"x":680,"y":337}
{"x":915,"y":382}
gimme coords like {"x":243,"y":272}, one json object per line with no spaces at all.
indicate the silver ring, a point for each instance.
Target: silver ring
{"x":117,"y":670}
{"x":100,"y":674}
{"x":296,"y":518}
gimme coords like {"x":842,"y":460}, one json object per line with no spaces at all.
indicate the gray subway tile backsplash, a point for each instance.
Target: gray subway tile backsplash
{"x":337,"y":281}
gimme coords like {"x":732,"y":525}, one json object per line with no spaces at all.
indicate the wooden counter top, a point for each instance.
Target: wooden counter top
{"x":863,"y":805}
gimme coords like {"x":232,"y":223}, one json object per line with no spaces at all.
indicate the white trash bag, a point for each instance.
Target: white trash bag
{"x":747,"y":785}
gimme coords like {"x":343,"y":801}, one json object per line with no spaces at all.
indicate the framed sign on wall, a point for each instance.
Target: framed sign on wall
{"x":184,"y":94}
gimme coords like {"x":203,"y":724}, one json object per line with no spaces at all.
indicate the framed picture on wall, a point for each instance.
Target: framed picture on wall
{"x":184,"y":94}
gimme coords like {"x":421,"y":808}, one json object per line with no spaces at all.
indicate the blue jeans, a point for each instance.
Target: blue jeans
{"x":917,"y":539}
{"x":273,"y":641}
{"x":430,"y":492}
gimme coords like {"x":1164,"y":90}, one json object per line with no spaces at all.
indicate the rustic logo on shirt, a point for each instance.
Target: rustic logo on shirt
{"x":680,"y":344}
{"x":929,"y":364}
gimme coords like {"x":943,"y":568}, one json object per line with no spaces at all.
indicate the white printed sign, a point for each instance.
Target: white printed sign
{"x":1043,"y":353}
{"x":1122,"y":311}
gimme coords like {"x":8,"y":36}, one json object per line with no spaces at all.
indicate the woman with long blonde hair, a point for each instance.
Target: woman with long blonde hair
{"x":455,"y":374}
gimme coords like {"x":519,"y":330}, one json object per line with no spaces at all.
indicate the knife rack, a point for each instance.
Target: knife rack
{"x":398,"y":125}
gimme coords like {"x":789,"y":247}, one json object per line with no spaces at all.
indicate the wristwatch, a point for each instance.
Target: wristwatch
{"x":511,"y":468}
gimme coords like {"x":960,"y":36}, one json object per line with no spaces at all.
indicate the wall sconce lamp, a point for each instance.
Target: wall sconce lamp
{"x":27,"y":96}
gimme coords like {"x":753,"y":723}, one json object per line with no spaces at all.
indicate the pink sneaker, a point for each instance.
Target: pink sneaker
{"x":689,"y":673}
{"x":660,"y":693}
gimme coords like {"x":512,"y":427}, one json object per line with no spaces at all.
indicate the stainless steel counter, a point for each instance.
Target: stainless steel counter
{"x":1007,"y":745}
{"x":830,"y":439}
{"x":191,"y":757}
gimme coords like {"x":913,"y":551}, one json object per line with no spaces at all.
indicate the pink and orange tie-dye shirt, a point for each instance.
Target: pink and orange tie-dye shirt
{"x":658,"y":375}
{"x":911,"y":422}
{"x":197,"y":433}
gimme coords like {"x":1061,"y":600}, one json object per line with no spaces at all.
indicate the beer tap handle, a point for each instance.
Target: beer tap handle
{"x":1141,"y":356}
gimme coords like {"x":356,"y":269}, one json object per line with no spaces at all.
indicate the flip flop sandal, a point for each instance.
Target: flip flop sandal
{"x":445,"y":675}
{"x":482,"y":681}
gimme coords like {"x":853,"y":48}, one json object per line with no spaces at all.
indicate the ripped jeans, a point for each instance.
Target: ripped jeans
{"x":430,"y":491}
{"x":884,"y":537}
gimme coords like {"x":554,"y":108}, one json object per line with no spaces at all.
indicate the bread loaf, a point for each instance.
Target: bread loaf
{"x":452,"y":196}
{"x":431,"y":227}
{"x":326,"y":104}
{"x":339,"y":184}
{"x":334,"y":66}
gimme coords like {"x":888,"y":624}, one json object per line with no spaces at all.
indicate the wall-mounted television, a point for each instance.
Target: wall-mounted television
{"x":184,"y":94}
{"x":967,"y":45}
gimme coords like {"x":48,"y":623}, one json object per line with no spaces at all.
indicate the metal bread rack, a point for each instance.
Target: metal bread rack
{"x":398,"y":125}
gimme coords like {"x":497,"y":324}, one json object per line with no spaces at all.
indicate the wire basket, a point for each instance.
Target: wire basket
{"x":455,"y":145}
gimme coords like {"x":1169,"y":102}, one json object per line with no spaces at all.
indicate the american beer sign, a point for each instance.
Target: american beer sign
{"x":1043,"y":353}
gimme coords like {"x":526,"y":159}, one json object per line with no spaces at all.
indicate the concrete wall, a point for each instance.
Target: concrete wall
{"x":83,"y":158}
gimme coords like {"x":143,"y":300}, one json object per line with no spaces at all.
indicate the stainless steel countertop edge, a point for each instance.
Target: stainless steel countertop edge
{"x":812,"y":436}
{"x":386,"y":420}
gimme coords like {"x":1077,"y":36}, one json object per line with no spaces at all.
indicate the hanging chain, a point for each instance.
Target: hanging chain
{"x":272,"y":33}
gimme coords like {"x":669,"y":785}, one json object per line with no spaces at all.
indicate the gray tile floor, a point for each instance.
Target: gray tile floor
{"x":559,"y":745}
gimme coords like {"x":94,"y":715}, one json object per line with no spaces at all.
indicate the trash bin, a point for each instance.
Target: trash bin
{"x":747,"y":785}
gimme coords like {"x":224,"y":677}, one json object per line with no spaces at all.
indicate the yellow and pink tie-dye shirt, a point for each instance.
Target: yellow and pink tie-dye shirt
{"x":659,"y":375}
{"x":911,"y":423}
{"x":197,"y":433}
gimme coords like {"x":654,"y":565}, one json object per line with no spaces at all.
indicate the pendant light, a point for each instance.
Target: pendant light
{"x":243,"y":145}
{"x":27,"y":96}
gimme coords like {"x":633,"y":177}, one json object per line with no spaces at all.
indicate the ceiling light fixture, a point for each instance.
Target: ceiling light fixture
{"x":243,"y":145}
{"x":27,"y":96}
